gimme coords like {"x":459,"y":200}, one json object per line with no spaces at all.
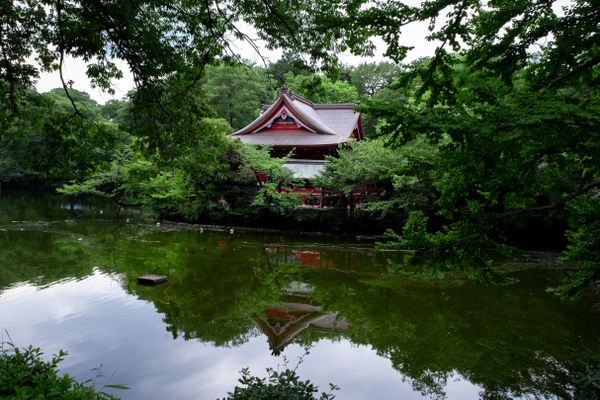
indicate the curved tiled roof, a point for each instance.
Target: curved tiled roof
{"x":324,"y":124}
{"x":310,"y":117}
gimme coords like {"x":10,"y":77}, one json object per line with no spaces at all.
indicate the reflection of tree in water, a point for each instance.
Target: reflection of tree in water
{"x":42,"y":253}
{"x":210,"y":295}
{"x":511,"y":341}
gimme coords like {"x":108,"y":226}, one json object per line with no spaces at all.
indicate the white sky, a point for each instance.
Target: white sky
{"x":74,"y":69}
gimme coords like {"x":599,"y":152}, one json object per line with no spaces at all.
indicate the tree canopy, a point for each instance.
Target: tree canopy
{"x":237,"y":92}
{"x":156,"y":39}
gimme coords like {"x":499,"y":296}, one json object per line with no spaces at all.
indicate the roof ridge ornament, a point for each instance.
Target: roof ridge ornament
{"x":293,"y":96}
{"x":284,"y":91}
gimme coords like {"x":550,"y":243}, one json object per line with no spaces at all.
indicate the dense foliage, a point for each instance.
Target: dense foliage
{"x":510,"y":155}
{"x":45,"y":139}
{"x":237,"y":92}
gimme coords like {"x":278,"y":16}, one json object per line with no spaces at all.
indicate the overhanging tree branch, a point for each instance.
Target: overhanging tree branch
{"x":581,"y":191}
{"x":61,"y":50}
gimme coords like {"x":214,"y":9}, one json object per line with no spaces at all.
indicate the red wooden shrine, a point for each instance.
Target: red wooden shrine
{"x":310,"y":131}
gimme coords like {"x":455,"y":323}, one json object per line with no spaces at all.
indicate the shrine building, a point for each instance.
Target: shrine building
{"x":312,"y":131}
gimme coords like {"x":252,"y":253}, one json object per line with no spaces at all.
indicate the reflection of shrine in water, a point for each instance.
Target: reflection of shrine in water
{"x":283,"y":322}
{"x":309,"y":258}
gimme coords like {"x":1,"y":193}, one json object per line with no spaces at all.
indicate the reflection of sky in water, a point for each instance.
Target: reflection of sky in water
{"x":99,"y":324}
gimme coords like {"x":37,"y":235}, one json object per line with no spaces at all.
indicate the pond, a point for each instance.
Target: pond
{"x":330,"y":307}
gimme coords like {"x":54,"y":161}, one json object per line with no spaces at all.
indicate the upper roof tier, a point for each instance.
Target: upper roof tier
{"x":295,"y":121}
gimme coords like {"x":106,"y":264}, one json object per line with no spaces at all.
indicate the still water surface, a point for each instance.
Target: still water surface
{"x":68,"y":281}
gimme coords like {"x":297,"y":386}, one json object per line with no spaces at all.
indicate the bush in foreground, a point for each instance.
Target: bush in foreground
{"x":25,"y":375}
{"x":284,"y":385}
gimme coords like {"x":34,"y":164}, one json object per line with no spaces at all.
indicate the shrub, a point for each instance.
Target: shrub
{"x":25,"y":375}
{"x":284,"y":385}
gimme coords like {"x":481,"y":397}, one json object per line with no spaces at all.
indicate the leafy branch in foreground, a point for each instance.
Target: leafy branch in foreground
{"x":25,"y":375}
